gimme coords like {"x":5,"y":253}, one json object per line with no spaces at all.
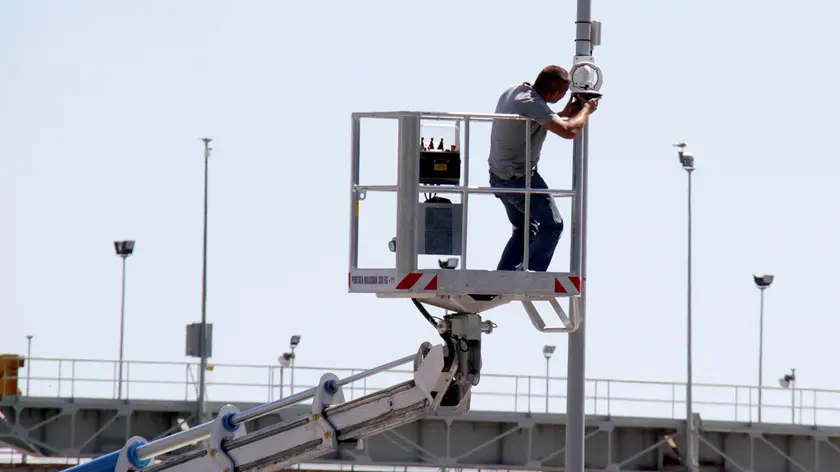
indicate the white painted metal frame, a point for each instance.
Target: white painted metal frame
{"x":455,"y":289}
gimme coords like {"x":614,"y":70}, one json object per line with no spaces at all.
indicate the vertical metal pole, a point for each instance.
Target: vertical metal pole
{"x":292,"y":379}
{"x":691,"y":439}
{"x":28,"y":360}
{"x":546,"y":382}
{"x":281,"y":380}
{"x":760,"y":353}
{"x":793,"y":396}
{"x":122,"y":332}
{"x":576,"y":363}
{"x":408,"y":174}
{"x":355,"y":153}
{"x":271,"y":384}
{"x":202,"y":386}
{"x":465,"y":152}
{"x":527,"y":217}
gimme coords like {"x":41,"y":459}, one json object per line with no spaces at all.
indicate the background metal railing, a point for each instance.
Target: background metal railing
{"x":241,"y":383}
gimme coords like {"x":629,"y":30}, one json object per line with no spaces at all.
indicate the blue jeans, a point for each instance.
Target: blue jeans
{"x":545,"y":227}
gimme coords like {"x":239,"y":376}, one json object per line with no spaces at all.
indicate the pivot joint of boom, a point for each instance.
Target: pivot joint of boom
{"x":462,"y":333}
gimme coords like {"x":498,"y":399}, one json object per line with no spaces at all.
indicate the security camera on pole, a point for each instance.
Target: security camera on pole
{"x":288,"y":360}
{"x":293,"y":343}
{"x":762,"y":281}
{"x":284,"y":360}
{"x":587,"y":79}
{"x":789,"y":381}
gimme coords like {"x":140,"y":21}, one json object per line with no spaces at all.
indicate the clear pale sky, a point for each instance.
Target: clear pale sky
{"x":102,"y":105}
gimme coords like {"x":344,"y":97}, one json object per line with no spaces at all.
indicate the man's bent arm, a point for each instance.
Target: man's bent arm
{"x":568,"y":129}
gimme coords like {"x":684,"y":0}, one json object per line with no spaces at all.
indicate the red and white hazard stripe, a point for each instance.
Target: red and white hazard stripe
{"x":414,"y":280}
{"x":567,"y":284}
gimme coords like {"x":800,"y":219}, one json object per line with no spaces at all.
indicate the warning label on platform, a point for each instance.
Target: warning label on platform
{"x":372,"y":280}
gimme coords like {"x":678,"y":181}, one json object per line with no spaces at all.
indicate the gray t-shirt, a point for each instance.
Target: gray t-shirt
{"x":507,"y":137}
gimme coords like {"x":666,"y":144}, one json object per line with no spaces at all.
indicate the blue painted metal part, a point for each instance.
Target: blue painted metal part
{"x":230,"y":427}
{"x":106,"y":463}
{"x":131,"y":453}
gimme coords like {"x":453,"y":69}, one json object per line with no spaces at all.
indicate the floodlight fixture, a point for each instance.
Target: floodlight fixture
{"x":548,"y":350}
{"x":763,"y":281}
{"x":124,"y":248}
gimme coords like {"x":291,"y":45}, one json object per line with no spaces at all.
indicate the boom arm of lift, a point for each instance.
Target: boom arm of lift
{"x":439,"y":382}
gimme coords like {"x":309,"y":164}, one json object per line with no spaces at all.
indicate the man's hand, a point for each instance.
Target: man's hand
{"x":571,"y":109}
{"x":590,"y":105}
{"x":568,"y":129}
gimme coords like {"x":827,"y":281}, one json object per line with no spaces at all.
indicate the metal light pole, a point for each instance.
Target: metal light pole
{"x":285,"y":361}
{"x":789,"y":381}
{"x":202,"y":385}
{"x":762,"y":282}
{"x":687,"y":162}
{"x":547,"y":352}
{"x":293,"y":343}
{"x":587,"y":36}
{"x":28,"y":360}
{"x":123,"y":249}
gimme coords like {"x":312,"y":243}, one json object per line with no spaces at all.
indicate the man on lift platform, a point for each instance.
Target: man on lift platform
{"x":507,"y":161}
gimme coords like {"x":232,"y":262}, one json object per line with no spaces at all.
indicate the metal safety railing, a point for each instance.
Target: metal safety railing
{"x":408,"y":189}
{"x":246,"y":384}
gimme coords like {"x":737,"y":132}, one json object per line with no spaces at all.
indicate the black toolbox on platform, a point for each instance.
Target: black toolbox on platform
{"x":440,"y":167}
